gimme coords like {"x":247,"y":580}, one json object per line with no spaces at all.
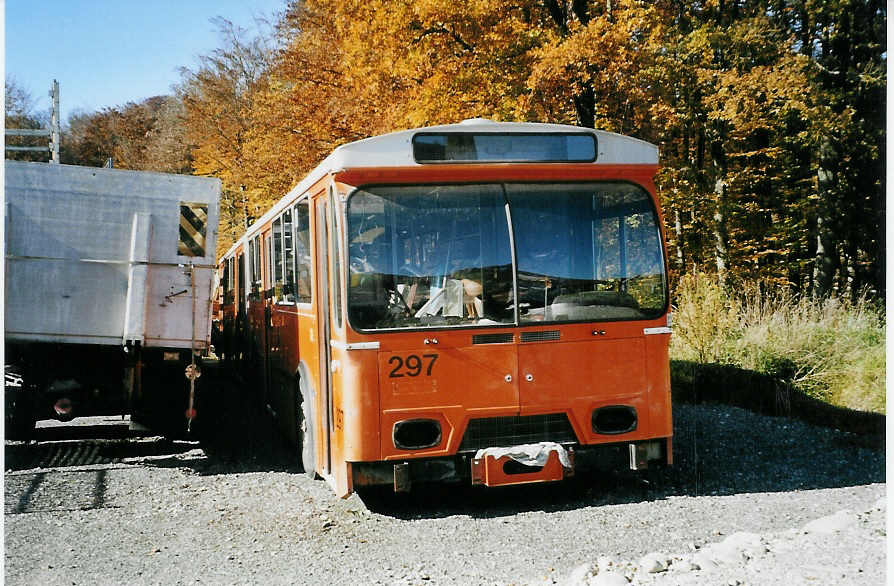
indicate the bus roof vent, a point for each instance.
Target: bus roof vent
{"x":477,"y":121}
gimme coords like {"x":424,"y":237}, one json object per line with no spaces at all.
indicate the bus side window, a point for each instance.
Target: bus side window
{"x":268,"y":275}
{"x":288,"y":257}
{"x":240,"y":282}
{"x":277,"y":259}
{"x":252,"y":292}
{"x":225,"y":281}
{"x":231,"y":280}
{"x":334,"y":240}
{"x":256,"y":284}
{"x":302,"y":252}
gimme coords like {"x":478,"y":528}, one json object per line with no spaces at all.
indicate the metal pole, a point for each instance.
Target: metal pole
{"x":28,"y":132}
{"x":26,"y":149}
{"x":54,"y":123}
{"x":193,"y":372}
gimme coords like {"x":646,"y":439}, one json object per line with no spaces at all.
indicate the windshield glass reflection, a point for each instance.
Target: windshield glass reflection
{"x":586,"y":252}
{"x":440,"y":256}
{"x":429,"y":256}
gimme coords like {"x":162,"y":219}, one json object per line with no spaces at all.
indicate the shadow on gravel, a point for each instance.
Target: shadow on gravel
{"x":77,"y":431}
{"x":719,"y":449}
{"x":722,"y":449}
{"x":236,"y":434}
{"x":693,"y":382}
{"x":86,"y":452}
{"x":446,"y":500}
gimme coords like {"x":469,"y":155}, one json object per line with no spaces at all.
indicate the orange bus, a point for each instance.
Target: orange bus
{"x":483,"y":302}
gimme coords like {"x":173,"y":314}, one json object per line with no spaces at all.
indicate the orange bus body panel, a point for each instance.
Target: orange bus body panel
{"x":496,"y":172}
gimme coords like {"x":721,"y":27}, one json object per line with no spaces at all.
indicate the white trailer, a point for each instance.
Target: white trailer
{"x":109,"y":277}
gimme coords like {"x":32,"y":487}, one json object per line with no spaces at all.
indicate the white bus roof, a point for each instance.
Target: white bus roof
{"x":396,"y":150}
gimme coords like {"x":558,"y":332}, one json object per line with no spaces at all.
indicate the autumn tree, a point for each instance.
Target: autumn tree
{"x":845,"y":40}
{"x":167,"y":149}
{"x":768,"y":113}
{"x":738,"y":101}
{"x":219,"y":101}
{"x":89,"y":138}
{"x":144,"y":136}
{"x":20,"y":113}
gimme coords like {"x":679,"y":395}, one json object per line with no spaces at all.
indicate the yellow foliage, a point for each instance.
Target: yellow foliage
{"x":721,"y":87}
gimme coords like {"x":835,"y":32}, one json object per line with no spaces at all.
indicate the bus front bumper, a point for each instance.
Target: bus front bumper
{"x":544,"y":462}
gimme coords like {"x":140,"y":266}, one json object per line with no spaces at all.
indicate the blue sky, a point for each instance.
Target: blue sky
{"x":110,"y":52}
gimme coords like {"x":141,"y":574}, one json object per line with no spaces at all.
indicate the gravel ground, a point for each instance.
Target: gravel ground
{"x":751,"y":499}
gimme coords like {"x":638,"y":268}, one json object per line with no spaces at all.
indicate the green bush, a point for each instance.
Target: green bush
{"x":832,"y":349}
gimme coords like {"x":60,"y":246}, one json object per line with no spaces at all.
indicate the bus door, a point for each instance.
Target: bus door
{"x":239,"y":324}
{"x":268,"y":316}
{"x":323,"y":408}
{"x":240,"y":284}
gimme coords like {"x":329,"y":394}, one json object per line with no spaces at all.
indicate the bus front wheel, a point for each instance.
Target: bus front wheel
{"x":305,"y":430}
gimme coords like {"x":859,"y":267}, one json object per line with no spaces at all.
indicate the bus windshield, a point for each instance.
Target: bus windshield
{"x":442,"y":255}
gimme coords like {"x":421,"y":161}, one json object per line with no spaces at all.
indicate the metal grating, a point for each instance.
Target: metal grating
{"x":492,"y":338}
{"x":517,"y":430}
{"x":540,"y":336}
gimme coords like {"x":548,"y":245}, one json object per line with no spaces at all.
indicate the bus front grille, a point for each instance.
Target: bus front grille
{"x":492,"y":338}
{"x":541,"y":336}
{"x":516,"y":430}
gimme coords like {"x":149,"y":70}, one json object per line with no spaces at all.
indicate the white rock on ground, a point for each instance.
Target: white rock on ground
{"x":609,"y":578}
{"x":843,"y":548}
{"x":831,"y":524}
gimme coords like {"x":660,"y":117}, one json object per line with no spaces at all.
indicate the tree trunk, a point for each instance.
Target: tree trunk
{"x":585,"y":106}
{"x":825,"y":260}
{"x":579,"y":8}
{"x":585,"y":100}
{"x":878,"y":267}
{"x":678,"y":230}
{"x":853,"y":278}
{"x":721,"y":232}
{"x":557,"y":12}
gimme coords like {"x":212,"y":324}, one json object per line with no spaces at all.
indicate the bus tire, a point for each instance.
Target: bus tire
{"x":304,"y":430}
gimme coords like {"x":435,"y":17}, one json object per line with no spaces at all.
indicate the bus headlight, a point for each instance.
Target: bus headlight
{"x":416,"y":434}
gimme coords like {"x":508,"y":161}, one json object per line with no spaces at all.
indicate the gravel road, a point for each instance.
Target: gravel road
{"x":751,"y":500}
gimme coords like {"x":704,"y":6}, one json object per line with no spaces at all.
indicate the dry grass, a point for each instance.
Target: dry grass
{"x":832,"y":349}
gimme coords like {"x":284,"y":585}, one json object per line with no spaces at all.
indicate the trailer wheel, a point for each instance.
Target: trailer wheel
{"x":20,"y":415}
{"x":305,"y":430}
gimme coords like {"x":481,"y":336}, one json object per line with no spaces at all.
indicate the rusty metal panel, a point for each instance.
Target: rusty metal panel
{"x":94,"y":255}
